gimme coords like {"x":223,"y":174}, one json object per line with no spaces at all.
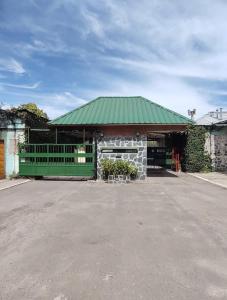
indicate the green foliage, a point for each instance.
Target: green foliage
{"x":118,"y":167}
{"x":207,"y":167}
{"x":107,"y":166}
{"x":133,"y":170}
{"x":32,"y":107}
{"x":196,"y":159}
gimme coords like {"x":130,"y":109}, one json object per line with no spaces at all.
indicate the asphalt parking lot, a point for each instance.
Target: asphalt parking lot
{"x":163,"y":239}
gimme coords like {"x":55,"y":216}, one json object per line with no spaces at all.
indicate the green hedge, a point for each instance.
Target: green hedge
{"x":196,"y":159}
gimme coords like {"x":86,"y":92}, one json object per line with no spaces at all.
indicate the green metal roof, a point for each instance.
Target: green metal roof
{"x":120,"y":110}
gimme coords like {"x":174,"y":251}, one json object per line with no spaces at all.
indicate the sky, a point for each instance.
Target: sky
{"x":62,"y":53}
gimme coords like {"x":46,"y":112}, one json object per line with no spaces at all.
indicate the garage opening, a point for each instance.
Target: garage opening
{"x":165,"y":151}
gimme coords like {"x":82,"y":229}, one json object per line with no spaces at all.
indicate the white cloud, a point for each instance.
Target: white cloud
{"x":52,"y":111}
{"x":148,"y":47}
{"x":11,"y":65}
{"x":58,"y":104}
{"x":51,"y":45}
{"x":203,"y":69}
{"x":93,"y":23}
{"x":161,"y":46}
{"x":22,"y":86}
{"x":172,"y":93}
{"x":54,"y":104}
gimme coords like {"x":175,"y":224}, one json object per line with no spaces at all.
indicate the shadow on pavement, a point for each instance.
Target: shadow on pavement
{"x":65,"y":178}
{"x":160,"y":173}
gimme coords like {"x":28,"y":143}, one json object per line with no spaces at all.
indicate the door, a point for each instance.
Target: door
{"x":2,"y":160}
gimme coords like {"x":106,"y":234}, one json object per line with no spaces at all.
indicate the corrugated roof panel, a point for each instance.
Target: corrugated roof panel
{"x":121,"y":110}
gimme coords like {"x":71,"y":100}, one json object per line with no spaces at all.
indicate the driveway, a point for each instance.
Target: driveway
{"x":163,"y":239}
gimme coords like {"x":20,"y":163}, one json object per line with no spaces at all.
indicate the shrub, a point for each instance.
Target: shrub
{"x":107,"y":166}
{"x":118,"y":167}
{"x":133,"y":171}
{"x":121,"y":167}
{"x":196,"y":159}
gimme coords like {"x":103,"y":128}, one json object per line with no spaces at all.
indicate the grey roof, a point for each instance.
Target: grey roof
{"x":212,"y":118}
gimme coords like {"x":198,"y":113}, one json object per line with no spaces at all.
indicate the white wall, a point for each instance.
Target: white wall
{"x":12,"y":135}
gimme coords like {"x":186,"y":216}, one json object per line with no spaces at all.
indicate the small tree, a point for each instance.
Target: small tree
{"x":32,"y":107}
{"x":196,"y":159}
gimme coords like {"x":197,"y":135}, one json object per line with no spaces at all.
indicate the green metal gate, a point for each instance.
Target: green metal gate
{"x":57,"y":160}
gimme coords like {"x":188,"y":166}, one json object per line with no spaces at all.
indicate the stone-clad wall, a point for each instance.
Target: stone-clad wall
{"x":220,"y":151}
{"x":139,"y":159}
{"x":216,"y":146}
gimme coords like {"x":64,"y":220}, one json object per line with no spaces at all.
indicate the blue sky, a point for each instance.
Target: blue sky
{"x":62,"y":53}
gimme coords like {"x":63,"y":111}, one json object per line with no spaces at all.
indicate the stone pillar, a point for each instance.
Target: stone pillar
{"x":139,"y":159}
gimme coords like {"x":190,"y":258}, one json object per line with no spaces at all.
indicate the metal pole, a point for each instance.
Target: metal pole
{"x":28,"y":135}
{"x":56,"y":135}
{"x":83,"y":135}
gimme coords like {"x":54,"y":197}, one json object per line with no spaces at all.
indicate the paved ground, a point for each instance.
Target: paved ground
{"x":217,"y":178}
{"x":8,"y":183}
{"x":166,"y":239}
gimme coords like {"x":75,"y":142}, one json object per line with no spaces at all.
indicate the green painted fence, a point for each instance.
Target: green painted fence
{"x":56,"y":160}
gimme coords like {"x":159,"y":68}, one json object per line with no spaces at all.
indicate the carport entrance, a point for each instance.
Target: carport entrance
{"x":158,"y":155}
{"x":165,"y":150}
{"x":57,"y":160}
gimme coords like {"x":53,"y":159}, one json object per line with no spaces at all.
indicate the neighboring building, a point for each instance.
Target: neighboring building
{"x":12,"y":131}
{"x":129,"y":128}
{"x":14,"y":127}
{"x":216,"y":141}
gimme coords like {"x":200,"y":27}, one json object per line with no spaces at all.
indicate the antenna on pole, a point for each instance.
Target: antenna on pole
{"x":192,"y":113}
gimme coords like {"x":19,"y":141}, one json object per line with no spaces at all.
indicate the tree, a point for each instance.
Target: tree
{"x":32,"y":107}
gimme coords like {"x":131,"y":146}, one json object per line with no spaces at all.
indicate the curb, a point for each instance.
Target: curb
{"x":13,"y":185}
{"x":207,"y":180}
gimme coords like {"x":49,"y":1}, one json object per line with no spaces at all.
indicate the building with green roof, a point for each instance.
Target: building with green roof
{"x":120,"y":111}
{"x":126,"y":128}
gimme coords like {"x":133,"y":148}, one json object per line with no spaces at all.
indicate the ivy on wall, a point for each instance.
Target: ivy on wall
{"x":32,"y":121}
{"x":196,"y":159}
